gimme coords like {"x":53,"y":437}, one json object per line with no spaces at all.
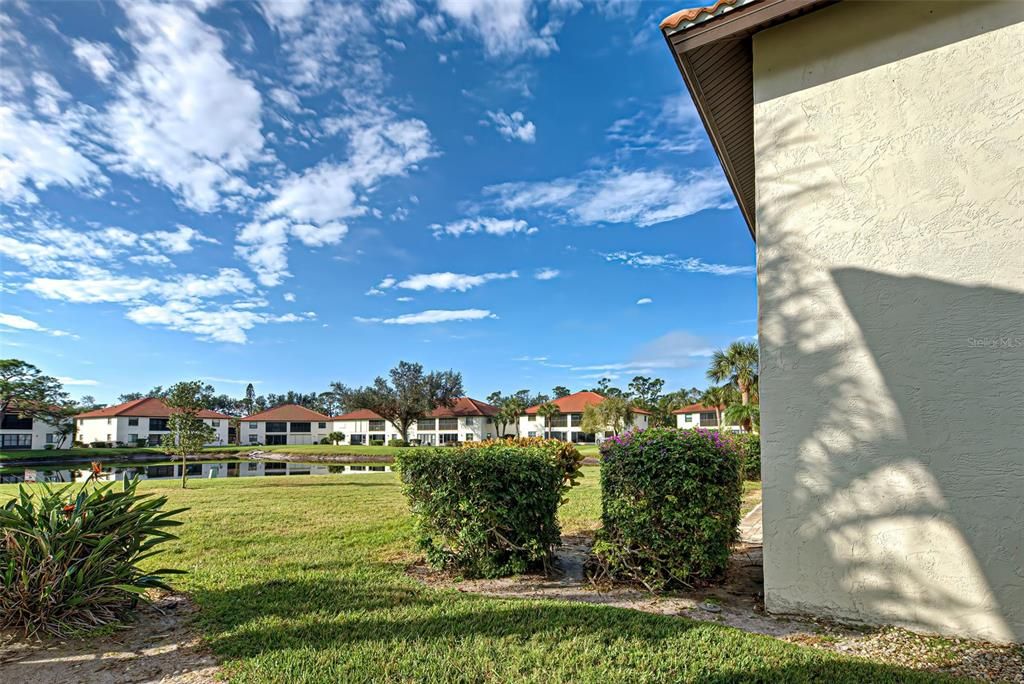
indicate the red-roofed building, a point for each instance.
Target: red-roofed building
{"x":286,"y":424}
{"x":467,"y":420}
{"x":138,"y":421}
{"x":567,"y":426}
{"x":21,"y":431}
{"x":699,"y":415}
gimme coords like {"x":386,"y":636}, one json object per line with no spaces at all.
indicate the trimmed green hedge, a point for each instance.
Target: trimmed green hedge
{"x":489,"y":509}
{"x":670,"y":506}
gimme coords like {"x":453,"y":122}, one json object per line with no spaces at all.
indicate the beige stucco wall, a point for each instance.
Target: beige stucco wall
{"x":890,"y":211}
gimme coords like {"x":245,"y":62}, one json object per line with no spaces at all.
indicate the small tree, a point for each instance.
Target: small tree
{"x":24,"y":389}
{"x":187,"y":431}
{"x":614,"y":413}
{"x":547,"y":411}
{"x":716,"y":398}
{"x":738,"y":364}
{"x":410,"y":395}
{"x":336,"y":437}
{"x":511,"y":409}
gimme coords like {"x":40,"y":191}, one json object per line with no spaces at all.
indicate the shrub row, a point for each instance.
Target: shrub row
{"x":489,"y":509}
{"x":670,"y":506}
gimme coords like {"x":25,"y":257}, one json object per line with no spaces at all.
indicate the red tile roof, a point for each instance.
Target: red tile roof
{"x":288,"y":412}
{"x":464,"y":406}
{"x":359,"y":414}
{"x":575,"y":403}
{"x":704,"y":13}
{"x":143,"y":408}
{"x":697,"y":408}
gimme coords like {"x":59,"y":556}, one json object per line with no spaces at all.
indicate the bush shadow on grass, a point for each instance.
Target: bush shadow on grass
{"x":338,"y":618}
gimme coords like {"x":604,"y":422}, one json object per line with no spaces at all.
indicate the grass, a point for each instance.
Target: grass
{"x":313,"y":449}
{"x":302,"y":579}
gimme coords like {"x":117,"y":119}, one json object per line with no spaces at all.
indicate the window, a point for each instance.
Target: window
{"x":253,"y":438}
{"x":16,"y":441}
{"x":357,"y":469}
{"x":277,"y":427}
{"x":376,"y":469}
{"x":469,"y":421}
{"x":321,"y":426}
{"x":531,"y":418}
{"x":561,"y":420}
{"x":300,"y":427}
{"x":560,"y":436}
{"x":108,"y":421}
{"x":584,"y":437}
{"x":531,"y":433}
{"x":426,"y":424}
{"x":133,"y":438}
{"x":576,"y":419}
{"x":215,"y":423}
{"x":357,"y":439}
{"x":51,"y":438}
{"x":160,"y":471}
{"x":708,"y":419}
{"x":253,"y":426}
{"x":158,"y":425}
{"x":153,"y":440}
{"x":277,"y":440}
{"x":489,"y":420}
{"x":687,"y":417}
{"x":194,"y":469}
{"x":377,"y":426}
{"x":468,"y":437}
{"x":133,"y":422}
{"x":448,"y":437}
{"x":252,"y":467}
{"x":447,"y":423}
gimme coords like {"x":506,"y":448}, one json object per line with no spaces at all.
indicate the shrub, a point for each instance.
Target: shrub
{"x":140,"y":443}
{"x":69,"y":560}
{"x":670,"y":503}
{"x":489,"y":509}
{"x":750,"y":454}
{"x":397,"y":443}
{"x":99,"y":445}
{"x":336,"y":437}
{"x":48,"y":447}
{"x":376,"y":442}
{"x":325,"y":440}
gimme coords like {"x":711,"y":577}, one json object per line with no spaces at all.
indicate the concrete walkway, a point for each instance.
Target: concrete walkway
{"x":750,"y":526}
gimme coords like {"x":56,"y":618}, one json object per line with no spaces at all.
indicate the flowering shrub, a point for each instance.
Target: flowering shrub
{"x":670,"y":504}
{"x":69,"y":560}
{"x":750,"y":449}
{"x":489,"y":509}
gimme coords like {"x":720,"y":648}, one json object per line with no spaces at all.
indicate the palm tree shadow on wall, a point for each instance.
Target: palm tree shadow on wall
{"x":886,"y":489}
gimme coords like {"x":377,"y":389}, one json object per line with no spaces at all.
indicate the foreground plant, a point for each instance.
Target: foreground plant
{"x":69,"y":560}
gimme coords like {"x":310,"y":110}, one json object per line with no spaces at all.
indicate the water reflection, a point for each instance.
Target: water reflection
{"x":169,"y":471}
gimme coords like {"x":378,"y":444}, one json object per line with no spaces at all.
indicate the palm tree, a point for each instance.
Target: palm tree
{"x":716,"y":397}
{"x":511,"y":408}
{"x":746,"y":415}
{"x":738,"y":365}
{"x":547,"y":411}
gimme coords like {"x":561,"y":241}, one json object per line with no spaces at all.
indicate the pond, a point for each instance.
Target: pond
{"x":113,"y":470}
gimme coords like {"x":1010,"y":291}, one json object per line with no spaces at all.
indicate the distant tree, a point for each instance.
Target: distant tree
{"x":187,"y":433}
{"x":410,"y":394}
{"x":715,"y":397}
{"x":88,"y":403}
{"x":157,"y":392}
{"x":331,"y":403}
{"x":747,"y":416}
{"x":645,"y":391}
{"x":129,"y":396}
{"x":547,"y":411}
{"x":561,"y":391}
{"x":496,"y":398}
{"x":25,"y":390}
{"x":511,"y":409}
{"x":605,"y":388}
{"x":614,"y":413}
{"x":737,"y":364}
{"x":250,"y":399}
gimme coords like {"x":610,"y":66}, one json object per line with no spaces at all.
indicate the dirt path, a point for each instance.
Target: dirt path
{"x":160,"y":647}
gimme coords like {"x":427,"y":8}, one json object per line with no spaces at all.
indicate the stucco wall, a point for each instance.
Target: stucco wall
{"x":890,"y":215}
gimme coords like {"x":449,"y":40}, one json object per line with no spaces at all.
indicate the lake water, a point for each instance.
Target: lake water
{"x":76,"y":472}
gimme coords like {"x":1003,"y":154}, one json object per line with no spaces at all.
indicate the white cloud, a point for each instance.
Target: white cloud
{"x":404,"y":299}
{"x":673,"y":127}
{"x":432,"y":316}
{"x":618,"y":196}
{"x":674,"y":263}
{"x":644,"y":300}
{"x":505,"y":26}
{"x":35,"y":155}
{"x":97,"y":57}
{"x":460,"y":282}
{"x":483,"y":224}
{"x":513,"y":126}
{"x":288,"y":296}
{"x":65,"y":380}
{"x":286,"y":98}
{"x":231,"y":381}
{"x":183,"y":117}
{"x":396,"y":11}
{"x":547,"y":273}
{"x":178,"y":241}
{"x":16,"y":322}
{"x":676,"y":349}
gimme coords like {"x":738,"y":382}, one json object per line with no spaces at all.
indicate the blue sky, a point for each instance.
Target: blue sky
{"x":294,"y":193}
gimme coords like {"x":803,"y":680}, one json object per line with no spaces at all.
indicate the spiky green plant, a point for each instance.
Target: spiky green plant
{"x":69,"y":560}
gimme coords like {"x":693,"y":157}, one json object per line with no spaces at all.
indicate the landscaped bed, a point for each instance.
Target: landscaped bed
{"x":305,"y":579}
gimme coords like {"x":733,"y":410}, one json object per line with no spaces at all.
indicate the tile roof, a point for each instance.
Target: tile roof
{"x":288,"y":412}
{"x":698,"y":15}
{"x":696,"y":408}
{"x":359,"y":414}
{"x":464,"y":406}
{"x":148,"y":407}
{"x":575,"y":403}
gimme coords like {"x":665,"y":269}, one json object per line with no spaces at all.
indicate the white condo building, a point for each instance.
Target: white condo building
{"x":567,"y":425}
{"x":138,"y":421}
{"x":287,"y":424}
{"x":20,"y":431}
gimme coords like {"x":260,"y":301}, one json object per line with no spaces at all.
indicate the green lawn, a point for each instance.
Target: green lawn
{"x":301,"y":579}
{"x":318,"y":449}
